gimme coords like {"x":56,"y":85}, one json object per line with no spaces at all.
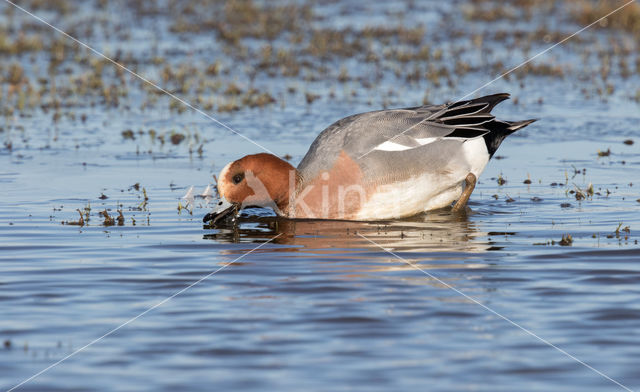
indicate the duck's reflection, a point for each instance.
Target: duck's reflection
{"x":439,"y":231}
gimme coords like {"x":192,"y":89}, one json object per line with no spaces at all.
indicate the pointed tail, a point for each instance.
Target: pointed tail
{"x":499,"y":130}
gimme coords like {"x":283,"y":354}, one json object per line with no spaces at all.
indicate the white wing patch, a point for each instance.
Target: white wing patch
{"x":391,"y":146}
{"x":427,"y":140}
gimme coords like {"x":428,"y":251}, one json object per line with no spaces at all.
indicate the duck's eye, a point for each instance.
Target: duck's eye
{"x":238,"y":178}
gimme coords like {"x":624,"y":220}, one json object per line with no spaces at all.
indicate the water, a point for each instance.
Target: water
{"x":320,"y":305}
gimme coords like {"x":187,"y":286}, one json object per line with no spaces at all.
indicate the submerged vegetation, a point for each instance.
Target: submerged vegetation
{"x":285,"y":39}
{"x":96,"y":162}
{"x":249,"y":58}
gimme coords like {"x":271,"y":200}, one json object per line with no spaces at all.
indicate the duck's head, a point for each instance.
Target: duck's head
{"x":259,"y":180}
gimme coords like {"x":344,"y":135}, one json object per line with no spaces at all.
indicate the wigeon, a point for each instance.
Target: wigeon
{"x":378,"y":165}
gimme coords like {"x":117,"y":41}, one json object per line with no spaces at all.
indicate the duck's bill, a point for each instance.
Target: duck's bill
{"x":222,"y":210}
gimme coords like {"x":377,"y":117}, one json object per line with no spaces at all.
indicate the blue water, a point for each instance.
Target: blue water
{"x":318,"y":307}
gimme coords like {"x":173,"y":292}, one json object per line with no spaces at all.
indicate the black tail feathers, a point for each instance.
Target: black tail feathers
{"x":499,"y":130}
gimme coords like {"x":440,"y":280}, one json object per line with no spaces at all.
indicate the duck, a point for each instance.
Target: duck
{"x":378,"y":165}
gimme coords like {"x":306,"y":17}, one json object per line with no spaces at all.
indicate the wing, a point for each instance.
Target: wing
{"x":424,"y":133}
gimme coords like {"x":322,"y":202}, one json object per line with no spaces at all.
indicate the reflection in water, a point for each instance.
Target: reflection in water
{"x":439,"y":231}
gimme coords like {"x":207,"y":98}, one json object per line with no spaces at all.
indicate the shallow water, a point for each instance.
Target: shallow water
{"x":320,"y":306}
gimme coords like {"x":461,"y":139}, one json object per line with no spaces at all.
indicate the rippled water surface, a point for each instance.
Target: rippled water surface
{"x":487,"y":301}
